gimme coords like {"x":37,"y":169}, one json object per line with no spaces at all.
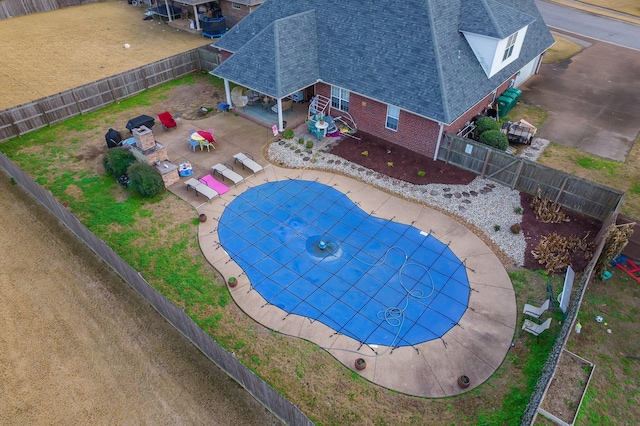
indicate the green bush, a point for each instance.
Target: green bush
{"x":485,"y":124}
{"x":495,"y":138}
{"x":145,"y":180}
{"x":288,"y":134}
{"x":117,"y":161}
{"x":309,"y":144}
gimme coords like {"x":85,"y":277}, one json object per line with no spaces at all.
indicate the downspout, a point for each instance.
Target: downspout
{"x":440,"y":132}
{"x":227,"y":92}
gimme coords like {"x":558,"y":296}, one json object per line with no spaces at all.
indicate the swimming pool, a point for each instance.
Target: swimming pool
{"x":308,"y":249}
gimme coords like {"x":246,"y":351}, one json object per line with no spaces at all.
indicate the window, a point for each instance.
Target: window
{"x":339,"y":99}
{"x":236,"y":6}
{"x":510,"y":43}
{"x":393,"y":116}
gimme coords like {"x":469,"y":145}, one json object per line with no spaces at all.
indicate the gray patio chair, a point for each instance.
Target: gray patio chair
{"x":534,"y":311}
{"x":536,"y":329}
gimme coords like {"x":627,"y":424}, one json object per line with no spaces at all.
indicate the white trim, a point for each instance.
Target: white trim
{"x":396,"y":117}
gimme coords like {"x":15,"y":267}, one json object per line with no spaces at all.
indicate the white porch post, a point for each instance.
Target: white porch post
{"x":280,"y":123}
{"x":196,"y":17}
{"x":169,"y":11}
{"x":227,"y":92}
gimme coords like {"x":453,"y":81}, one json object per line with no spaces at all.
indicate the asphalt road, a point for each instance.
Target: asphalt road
{"x":590,"y":25}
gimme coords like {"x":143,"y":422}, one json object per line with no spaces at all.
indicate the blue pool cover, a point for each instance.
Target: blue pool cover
{"x":308,"y":249}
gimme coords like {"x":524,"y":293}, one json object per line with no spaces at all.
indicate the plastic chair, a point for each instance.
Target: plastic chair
{"x":193,"y":144}
{"x":208,"y":145}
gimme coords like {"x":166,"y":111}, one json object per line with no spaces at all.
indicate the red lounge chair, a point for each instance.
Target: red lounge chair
{"x":167,"y":120}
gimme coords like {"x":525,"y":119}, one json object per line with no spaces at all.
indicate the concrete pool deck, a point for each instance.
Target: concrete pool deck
{"x":475,"y":347}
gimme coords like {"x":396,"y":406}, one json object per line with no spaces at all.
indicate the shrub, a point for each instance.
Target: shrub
{"x":495,"y":138}
{"x":117,"y":161}
{"x":309,"y":144}
{"x":300,"y":141}
{"x":496,"y":228}
{"x":515,"y":228}
{"x":288,"y":134}
{"x":365,"y":153}
{"x":145,"y":180}
{"x":422,"y":173}
{"x":485,"y":124}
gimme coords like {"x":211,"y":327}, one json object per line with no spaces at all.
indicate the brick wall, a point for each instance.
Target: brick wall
{"x":476,"y":109}
{"x":415,"y":133}
{"x":236,"y":15}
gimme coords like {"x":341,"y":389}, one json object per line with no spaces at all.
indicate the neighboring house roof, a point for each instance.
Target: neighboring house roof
{"x":411,"y":55}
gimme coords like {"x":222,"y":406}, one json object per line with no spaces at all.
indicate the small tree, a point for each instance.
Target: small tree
{"x":495,"y":138}
{"x":485,"y":124}
{"x":145,"y":180}
{"x":117,"y":161}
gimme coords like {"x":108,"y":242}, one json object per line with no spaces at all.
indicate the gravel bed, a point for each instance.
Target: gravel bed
{"x":483,"y":203}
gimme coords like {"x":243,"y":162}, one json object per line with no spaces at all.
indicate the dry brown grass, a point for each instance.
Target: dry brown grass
{"x":562,"y":50}
{"x":47,"y":53}
{"x":631,"y":7}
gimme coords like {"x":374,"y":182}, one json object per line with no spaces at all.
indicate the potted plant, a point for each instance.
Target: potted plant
{"x":361,"y":364}
{"x":202,"y":217}
{"x":232,"y":281}
{"x":463,"y":381}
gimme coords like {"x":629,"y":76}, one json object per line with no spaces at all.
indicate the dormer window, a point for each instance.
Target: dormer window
{"x":510,"y":43}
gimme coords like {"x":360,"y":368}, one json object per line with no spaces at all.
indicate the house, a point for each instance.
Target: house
{"x":232,"y":11}
{"x":403,"y":71}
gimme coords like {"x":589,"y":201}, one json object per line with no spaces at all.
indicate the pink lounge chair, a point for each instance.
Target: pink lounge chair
{"x":214,"y":184}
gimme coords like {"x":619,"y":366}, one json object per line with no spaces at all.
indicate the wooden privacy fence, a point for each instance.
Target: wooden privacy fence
{"x":13,"y":8}
{"x":56,"y":108}
{"x":575,"y":193}
{"x":257,"y":387}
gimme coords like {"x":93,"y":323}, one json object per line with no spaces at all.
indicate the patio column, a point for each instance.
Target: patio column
{"x":227,"y":92}
{"x":196,"y":17}
{"x":169,"y":11}
{"x":280,"y":123}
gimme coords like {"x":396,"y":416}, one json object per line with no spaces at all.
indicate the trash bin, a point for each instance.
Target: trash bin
{"x":515,"y":91}
{"x":505,"y":104}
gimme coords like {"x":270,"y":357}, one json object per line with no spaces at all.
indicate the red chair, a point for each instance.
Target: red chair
{"x":167,"y":120}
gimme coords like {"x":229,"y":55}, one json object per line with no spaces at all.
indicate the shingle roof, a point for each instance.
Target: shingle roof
{"x":411,"y":55}
{"x":492,"y":18}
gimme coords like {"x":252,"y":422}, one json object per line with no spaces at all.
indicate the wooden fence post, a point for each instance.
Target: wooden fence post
{"x":113,"y":92}
{"x":486,"y":163}
{"x":561,"y":190}
{"x":518,"y":171}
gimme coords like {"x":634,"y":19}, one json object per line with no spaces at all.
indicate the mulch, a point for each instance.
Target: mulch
{"x":376,"y":154}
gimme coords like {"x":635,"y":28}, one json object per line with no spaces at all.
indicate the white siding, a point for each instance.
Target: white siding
{"x":484,"y":48}
{"x":489,"y":51}
{"x":527,"y":71}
